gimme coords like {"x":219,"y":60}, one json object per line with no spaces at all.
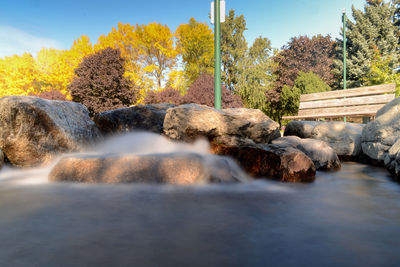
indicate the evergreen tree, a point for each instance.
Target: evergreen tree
{"x":233,"y":48}
{"x":372,"y":35}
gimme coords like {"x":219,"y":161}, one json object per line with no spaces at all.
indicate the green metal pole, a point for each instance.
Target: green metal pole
{"x":344,"y":52}
{"x":217,"y":70}
{"x":344,"y":49}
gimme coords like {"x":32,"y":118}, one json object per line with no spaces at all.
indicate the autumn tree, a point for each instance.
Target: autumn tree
{"x":202,"y":92}
{"x":18,"y":75}
{"x":55,"y":71}
{"x":100,"y":84}
{"x":371,"y":36}
{"x":315,"y":54}
{"x":233,"y":48}
{"x":156,"y":50}
{"x":195,"y":44}
{"x":168,"y":95}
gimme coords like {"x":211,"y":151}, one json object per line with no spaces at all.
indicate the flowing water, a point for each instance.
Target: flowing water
{"x":345,"y":218}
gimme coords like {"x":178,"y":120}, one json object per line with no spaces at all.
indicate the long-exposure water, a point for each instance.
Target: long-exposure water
{"x":345,"y":218}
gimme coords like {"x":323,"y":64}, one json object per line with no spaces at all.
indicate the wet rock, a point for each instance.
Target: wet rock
{"x":382,"y":133}
{"x":140,"y":117}
{"x":301,"y":129}
{"x":1,"y":159}
{"x":191,"y":121}
{"x":323,"y":156}
{"x":276,"y":161}
{"x":344,"y":138}
{"x":33,"y":130}
{"x":171,"y":168}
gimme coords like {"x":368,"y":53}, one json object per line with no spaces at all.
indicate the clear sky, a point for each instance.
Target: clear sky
{"x":28,"y":25}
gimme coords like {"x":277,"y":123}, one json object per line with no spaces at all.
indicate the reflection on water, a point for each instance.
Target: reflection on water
{"x":345,"y":218}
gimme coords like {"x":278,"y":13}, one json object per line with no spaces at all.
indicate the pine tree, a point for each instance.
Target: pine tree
{"x":372,"y":35}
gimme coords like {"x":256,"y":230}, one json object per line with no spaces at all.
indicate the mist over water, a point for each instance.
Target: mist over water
{"x":345,"y":218}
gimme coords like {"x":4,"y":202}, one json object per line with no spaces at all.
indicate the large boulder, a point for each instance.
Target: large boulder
{"x":392,"y":159}
{"x":276,"y":161}
{"x":301,"y":129}
{"x":171,"y":168}
{"x":323,"y":156}
{"x":189,"y":122}
{"x":380,"y":134}
{"x":33,"y":130}
{"x":140,"y":117}
{"x":344,"y":138}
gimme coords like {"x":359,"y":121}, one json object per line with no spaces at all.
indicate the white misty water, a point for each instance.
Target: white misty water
{"x":345,"y":218}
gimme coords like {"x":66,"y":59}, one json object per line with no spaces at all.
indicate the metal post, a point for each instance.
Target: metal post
{"x":344,"y":52}
{"x":217,"y":70}
{"x":344,"y":49}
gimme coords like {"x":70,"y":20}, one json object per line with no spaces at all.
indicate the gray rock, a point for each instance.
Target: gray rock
{"x":172,"y":168}
{"x":323,"y":156}
{"x":140,"y":117}
{"x":191,"y":121}
{"x":381,"y":134}
{"x":33,"y":130}
{"x":344,"y":138}
{"x":301,"y":129}
{"x":275,"y":161}
{"x":392,"y":159}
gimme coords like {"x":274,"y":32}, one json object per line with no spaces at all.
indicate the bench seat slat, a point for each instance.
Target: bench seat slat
{"x":367,"y":110}
{"x":354,"y":101}
{"x":363,"y":91}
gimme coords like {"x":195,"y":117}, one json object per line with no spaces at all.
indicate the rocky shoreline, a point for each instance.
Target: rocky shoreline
{"x":34,"y":131}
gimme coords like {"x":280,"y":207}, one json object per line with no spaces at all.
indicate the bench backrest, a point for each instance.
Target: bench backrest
{"x":363,"y":101}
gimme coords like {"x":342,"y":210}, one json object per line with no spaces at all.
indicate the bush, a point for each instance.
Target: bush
{"x":169,"y":95}
{"x":202,"y":92}
{"x":309,"y":82}
{"x":51,"y":95}
{"x":99,"y":82}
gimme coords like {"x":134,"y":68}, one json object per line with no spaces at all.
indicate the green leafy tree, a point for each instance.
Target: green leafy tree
{"x":308,"y":82}
{"x":100,"y":84}
{"x":288,"y":104}
{"x":233,"y":48}
{"x":256,"y":75}
{"x":372,"y":33}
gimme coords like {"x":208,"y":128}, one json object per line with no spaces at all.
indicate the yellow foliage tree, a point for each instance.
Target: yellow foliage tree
{"x":18,"y":75}
{"x":195,"y":43}
{"x":156,"y":51}
{"x":124,"y":38}
{"x":55,"y":71}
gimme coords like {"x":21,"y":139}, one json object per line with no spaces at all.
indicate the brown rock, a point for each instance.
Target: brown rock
{"x":172,"y":168}
{"x":323,"y":156}
{"x":33,"y":130}
{"x":140,"y":117}
{"x":189,"y":122}
{"x":277,"y":161}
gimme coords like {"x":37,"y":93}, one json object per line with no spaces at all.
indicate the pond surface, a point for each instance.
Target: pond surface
{"x":345,"y":218}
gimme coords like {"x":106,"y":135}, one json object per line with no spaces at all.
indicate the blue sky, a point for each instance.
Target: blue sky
{"x":26,"y":26}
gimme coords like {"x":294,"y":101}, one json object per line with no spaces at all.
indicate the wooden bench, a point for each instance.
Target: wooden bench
{"x":357,"y":102}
